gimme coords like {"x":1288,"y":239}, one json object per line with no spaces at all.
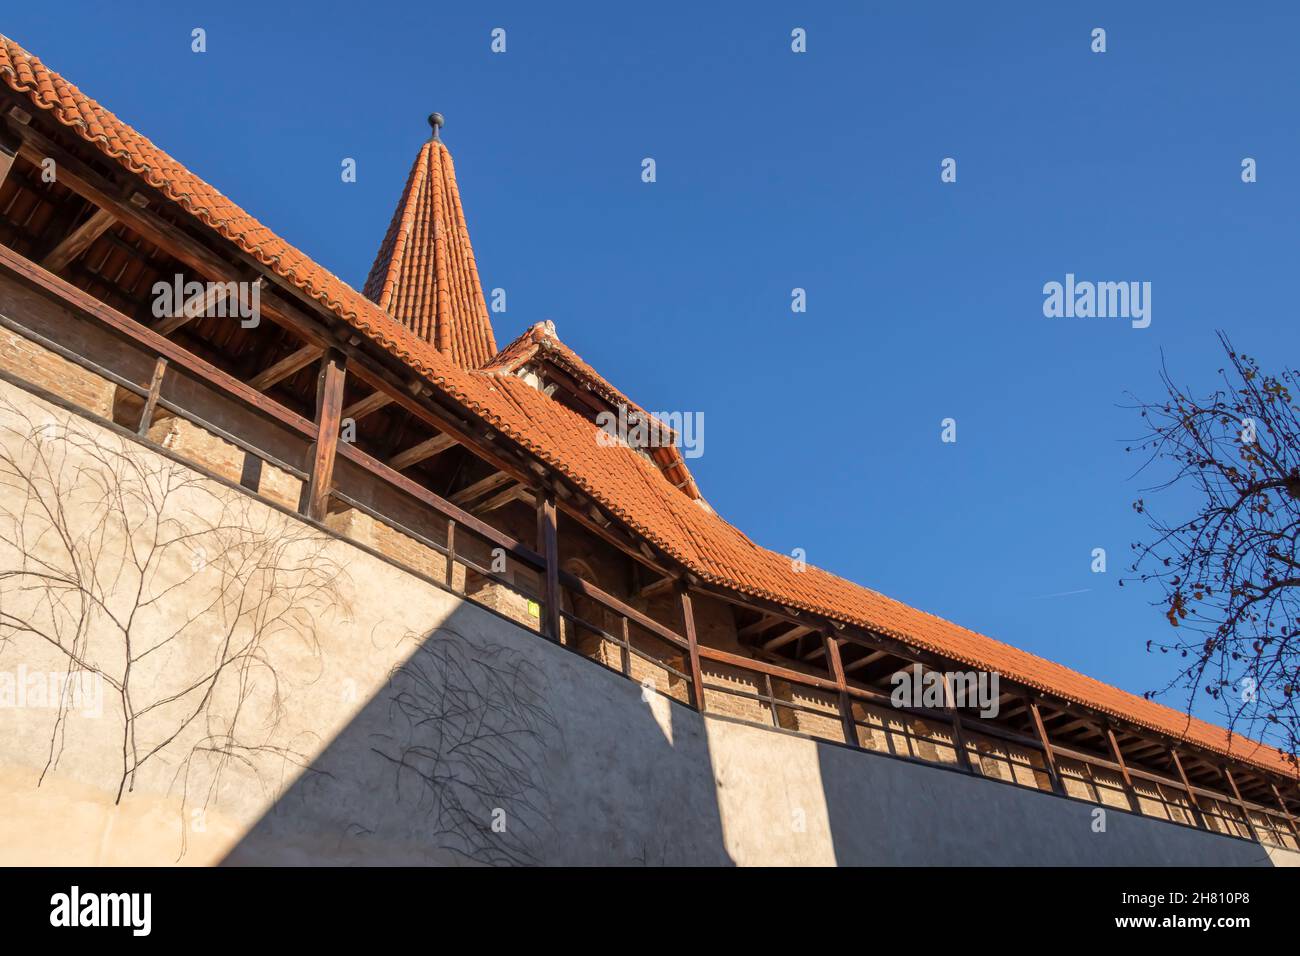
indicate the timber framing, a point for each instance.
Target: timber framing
{"x":849,"y":666}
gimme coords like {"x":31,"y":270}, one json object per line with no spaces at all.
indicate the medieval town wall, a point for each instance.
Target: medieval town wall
{"x":292,"y":698}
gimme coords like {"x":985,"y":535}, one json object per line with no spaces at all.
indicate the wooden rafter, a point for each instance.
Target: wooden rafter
{"x":786,"y":637}
{"x":363,"y":407}
{"x":191,"y":309}
{"x":480,"y":488}
{"x":501,"y":499}
{"x":762,"y":624}
{"x":79,"y":240}
{"x":287,"y":366}
{"x":418,"y":453}
{"x":865,"y":661}
{"x":656,"y":588}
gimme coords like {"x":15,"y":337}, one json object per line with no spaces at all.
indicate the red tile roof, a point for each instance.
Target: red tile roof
{"x":540,"y":341}
{"x":627,"y":485}
{"x":424,"y":275}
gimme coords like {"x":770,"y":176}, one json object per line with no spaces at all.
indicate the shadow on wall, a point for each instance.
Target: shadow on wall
{"x":488,"y":746}
{"x":946,"y":818}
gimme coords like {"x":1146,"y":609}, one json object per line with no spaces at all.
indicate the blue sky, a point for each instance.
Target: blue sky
{"x":819,"y":170}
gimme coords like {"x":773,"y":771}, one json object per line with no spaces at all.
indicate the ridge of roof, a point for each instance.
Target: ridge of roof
{"x":424,"y":274}
{"x":615,"y":476}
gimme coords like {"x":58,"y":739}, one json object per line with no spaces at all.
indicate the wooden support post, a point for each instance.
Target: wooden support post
{"x":958,"y":738}
{"x":692,"y":645}
{"x":771,"y":699}
{"x":837,"y":671}
{"x":1241,"y":804}
{"x":79,"y":240}
{"x":626,"y":657}
{"x":1123,"y":769}
{"x":1049,"y":756}
{"x":1191,"y":797}
{"x":1286,"y":814}
{"x":151,"y":403}
{"x":548,"y":543}
{"x":329,"y":408}
{"x":451,"y":554}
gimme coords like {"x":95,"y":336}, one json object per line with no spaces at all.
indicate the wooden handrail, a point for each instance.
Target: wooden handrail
{"x":29,"y":273}
{"x":589,"y":590}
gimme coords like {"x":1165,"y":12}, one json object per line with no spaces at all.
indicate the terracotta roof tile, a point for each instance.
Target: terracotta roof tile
{"x":621,"y":480}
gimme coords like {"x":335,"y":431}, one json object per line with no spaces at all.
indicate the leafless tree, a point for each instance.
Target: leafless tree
{"x":1228,"y":465}
{"x":127,"y":566}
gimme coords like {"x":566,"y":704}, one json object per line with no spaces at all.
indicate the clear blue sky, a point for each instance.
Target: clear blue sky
{"x":821,"y":171}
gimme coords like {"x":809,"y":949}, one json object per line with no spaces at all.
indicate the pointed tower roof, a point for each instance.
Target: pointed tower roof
{"x":424,"y":275}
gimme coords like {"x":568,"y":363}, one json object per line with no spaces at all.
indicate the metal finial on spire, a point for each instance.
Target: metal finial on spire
{"x":436,"y":121}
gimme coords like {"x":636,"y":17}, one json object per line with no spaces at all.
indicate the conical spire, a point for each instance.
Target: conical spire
{"x":424,"y":275}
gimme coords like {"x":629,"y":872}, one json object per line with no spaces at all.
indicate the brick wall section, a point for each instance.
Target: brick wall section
{"x":25,"y":359}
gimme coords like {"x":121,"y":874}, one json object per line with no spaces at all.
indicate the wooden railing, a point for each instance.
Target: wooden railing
{"x":672,"y":662}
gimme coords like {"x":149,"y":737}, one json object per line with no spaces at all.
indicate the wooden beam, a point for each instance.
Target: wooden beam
{"x":418,"y":453}
{"x":862,"y":662}
{"x":1049,"y":756}
{"x":363,"y":407}
{"x":692,"y":646}
{"x":329,"y":408}
{"x":781,"y":640}
{"x":548,"y":544}
{"x":1123,"y":770}
{"x":451,"y":555}
{"x":155,"y":390}
{"x":491,"y":483}
{"x":958,"y":737}
{"x":762,"y":624}
{"x":1191,"y":794}
{"x":193,"y":308}
{"x":656,"y":588}
{"x":287,"y":366}
{"x":832,"y":645}
{"x":1286,"y":813}
{"x":79,"y":240}
{"x":9,"y":147}
{"x":515,"y":493}
{"x":1241,"y":804}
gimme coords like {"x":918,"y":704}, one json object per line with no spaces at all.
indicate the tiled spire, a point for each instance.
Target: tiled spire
{"x":424,"y":275}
